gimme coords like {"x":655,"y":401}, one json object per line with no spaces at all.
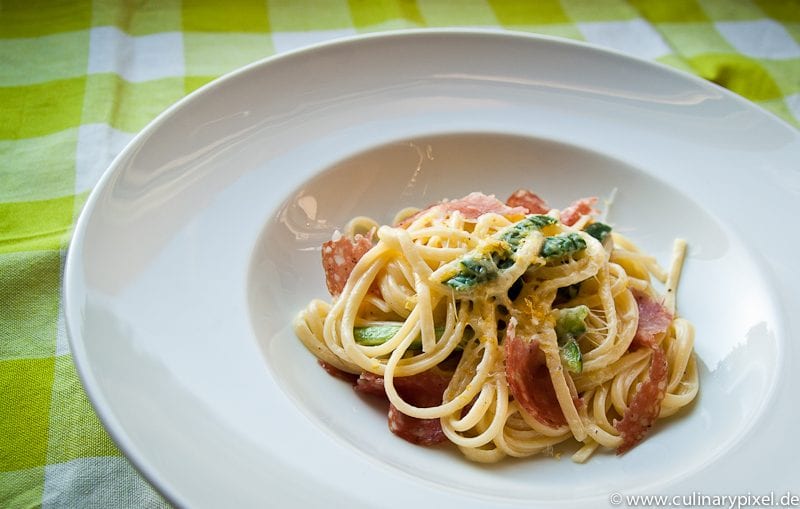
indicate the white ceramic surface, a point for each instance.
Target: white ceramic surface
{"x":201,"y":242}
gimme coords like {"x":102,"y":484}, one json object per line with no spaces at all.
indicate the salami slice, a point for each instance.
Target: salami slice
{"x":472,"y":206}
{"x":654,"y":319}
{"x":421,"y":390}
{"x":339,"y":257}
{"x":338,"y":373}
{"x":425,"y":432}
{"x":578,"y":208}
{"x":529,"y":201}
{"x":370,"y":383}
{"x":529,"y":379}
{"x":645,"y":405}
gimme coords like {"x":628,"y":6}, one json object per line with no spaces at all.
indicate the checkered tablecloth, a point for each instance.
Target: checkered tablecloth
{"x":78,"y":78}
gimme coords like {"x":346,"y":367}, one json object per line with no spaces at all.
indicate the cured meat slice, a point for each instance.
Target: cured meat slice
{"x":370,"y":383}
{"x":421,"y":390}
{"x":424,"y":389}
{"x":654,"y":319}
{"x":339,"y":257}
{"x":417,"y":431}
{"x":338,"y":373}
{"x":578,"y":208}
{"x":529,"y":201}
{"x":529,"y":379}
{"x":472,"y":206}
{"x":645,"y":405}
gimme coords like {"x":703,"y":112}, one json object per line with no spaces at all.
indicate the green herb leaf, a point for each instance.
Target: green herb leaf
{"x":473,"y":271}
{"x":571,"y":356}
{"x":479,"y":267}
{"x":560,"y":246}
{"x":374,"y":335}
{"x":600,"y":231}
{"x":570,"y":324}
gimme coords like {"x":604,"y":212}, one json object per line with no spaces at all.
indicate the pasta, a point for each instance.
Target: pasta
{"x":505,"y":328}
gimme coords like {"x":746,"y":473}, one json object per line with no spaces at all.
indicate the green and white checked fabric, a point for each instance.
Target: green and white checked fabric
{"x":78,"y":78}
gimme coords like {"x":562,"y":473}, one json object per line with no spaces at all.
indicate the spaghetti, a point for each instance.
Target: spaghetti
{"x":505,"y":328}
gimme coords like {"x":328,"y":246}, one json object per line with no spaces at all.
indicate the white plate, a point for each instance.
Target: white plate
{"x":200,"y":244}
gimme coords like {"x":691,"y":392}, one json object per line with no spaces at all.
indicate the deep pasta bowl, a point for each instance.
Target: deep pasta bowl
{"x":201,"y":243}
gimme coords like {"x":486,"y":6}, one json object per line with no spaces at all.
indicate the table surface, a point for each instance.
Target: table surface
{"x":78,"y":79}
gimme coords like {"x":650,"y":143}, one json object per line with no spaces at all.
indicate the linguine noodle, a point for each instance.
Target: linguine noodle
{"x":465,"y":297}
